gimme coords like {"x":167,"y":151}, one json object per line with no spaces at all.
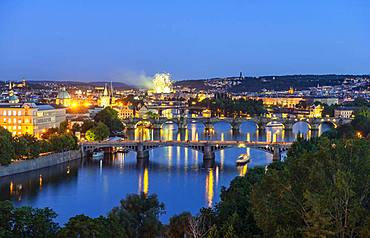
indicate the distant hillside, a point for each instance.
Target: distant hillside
{"x":255,"y":84}
{"x":84,"y":84}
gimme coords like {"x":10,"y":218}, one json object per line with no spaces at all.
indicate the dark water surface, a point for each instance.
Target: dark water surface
{"x":174,"y":173}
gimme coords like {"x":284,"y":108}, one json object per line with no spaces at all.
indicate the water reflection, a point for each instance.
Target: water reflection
{"x":174,"y":173}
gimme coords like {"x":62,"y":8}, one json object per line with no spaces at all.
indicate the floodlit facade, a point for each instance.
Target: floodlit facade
{"x":63,"y":98}
{"x":29,"y":118}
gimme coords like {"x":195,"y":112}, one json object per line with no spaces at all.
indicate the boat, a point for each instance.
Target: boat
{"x":122,"y":150}
{"x":242,"y":159}
{"x":98,"y":155}
{"x":274,"y":124}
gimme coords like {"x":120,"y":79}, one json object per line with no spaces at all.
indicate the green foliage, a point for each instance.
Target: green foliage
{"x":322,"y":190}
{"x":97,"y":133}
{"x":27,"y":147}
{"x":109,"y":117}
{"x":87,"y":125}
{"x":7,"y":152}
{"x":231,"y":108}
{"x":26,"y":222}
{"x":64,"y":142}
{"x":234,"y":211}
{"x":178,"y":225}
{"x":139,"y":215}
{"x":85,"y":227}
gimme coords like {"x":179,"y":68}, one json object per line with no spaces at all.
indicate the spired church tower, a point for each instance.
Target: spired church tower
{"x":106,"y":99}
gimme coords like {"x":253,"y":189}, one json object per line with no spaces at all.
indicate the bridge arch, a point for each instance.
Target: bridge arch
{"x":331,"y":123}
{"x":301,"y":122}
{"x":144,"y":122}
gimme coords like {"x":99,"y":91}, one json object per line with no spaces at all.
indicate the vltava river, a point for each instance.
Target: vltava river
{"x":175,"y":174}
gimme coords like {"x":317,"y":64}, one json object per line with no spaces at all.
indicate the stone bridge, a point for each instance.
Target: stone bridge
{"x":261,"y":122}
{"x":208,"y":148}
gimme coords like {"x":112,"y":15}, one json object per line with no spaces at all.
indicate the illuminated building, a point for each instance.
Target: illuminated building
{"x":29,"y":118}
{"x":107,"y":99}
{"x":291,"y":90}
{"x":124,"y":109}
{"x":63,"y":98}
{"x":12,"y":98}
{"x":162,"y":83}
{"x":206,"y":113}
{"x":344,"y":112}
{"x":288,"y":102}
{"x":316,"y":111}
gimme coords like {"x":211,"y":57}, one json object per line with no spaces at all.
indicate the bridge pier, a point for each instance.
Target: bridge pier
{"x":276,"y":156}
{"x":208,"y":127}
{"x":208,"y":157}
{"x":315,"y":127}
{"x":141,"y":153}
{"x":288,"y":126}
{"x":130,"y":126}
{"x":235,"y":127}
{"x":182,"y":124}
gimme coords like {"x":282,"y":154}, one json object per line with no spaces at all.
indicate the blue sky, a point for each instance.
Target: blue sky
{"x":126,"y":40}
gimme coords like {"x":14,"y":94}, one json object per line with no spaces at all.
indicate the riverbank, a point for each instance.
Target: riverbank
{"x":39,"y":163}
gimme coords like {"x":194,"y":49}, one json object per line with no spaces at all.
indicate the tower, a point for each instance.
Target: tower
{"x":105,"y":99}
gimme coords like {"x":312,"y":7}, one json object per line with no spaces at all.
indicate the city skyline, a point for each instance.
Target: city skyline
{"x":128,"y":42}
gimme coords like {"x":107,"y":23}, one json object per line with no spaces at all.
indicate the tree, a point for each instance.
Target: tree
{"x":26,"y":222}
{"x":27,"y":146}
{"x":63,"y":142}
{"x":139,"y":215}
{"x":85,"y":227}
{"x":109,"y":117}
{"x":361,"y":123}
{"x":321,"y":190}
{"x":87,"y":124}
{"x":97,"y":133}
{"x":179,"y":225}
{"x":235,"y":209}
{"x":7,"y":152}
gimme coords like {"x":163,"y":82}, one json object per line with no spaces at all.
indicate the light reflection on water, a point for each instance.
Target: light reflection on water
{"x":174,"y":173}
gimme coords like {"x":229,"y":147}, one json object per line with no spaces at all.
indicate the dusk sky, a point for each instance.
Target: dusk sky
{"x":124,"y":40}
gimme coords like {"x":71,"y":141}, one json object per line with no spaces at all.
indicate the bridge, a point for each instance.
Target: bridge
{"x":207,"y":148}
{"x":235,"y":123}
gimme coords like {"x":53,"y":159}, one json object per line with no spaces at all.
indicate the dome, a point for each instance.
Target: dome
{"x":63,"y":94}
{"x":13,"y":99}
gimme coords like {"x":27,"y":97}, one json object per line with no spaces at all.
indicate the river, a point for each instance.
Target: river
{"x":175,"y":174}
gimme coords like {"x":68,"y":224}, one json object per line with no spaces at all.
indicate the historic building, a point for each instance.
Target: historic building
{"x":63,"y":98}
{"x":29,"y":118}
{"x":106,"y":99}
{"x":344,"y":112}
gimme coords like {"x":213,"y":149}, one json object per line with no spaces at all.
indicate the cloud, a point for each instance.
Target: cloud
{"x":137,"y":79}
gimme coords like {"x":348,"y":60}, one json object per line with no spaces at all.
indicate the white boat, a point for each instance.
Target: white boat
{"x":275,"y":124}
{"x":242,"y":159}
{"x":98,"y":155}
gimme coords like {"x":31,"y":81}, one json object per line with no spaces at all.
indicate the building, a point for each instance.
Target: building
{"x":106,"y":99}
{"x":344,"y":112}
{"x":63,"y":98}
{"x":29,"y":118}
{"x":288,"y":102}
{"x":327,"y":100}
{"x":316,"y":111}
{"x":124,"y":109}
